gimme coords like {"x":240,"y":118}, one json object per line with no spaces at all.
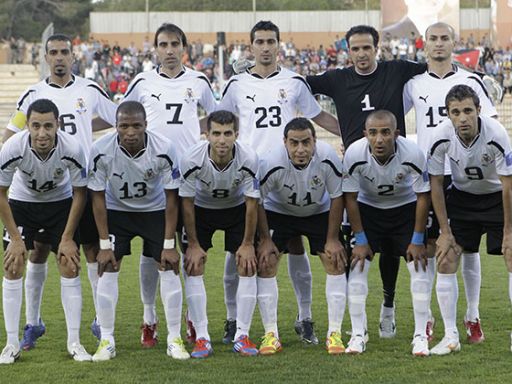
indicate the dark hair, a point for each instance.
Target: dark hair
{"x":461,"y":92}
{"x":222,"y":118}
{"x":264,"y":26}
{"x":57,"y":37}
{"x":131,"y":107}
{"x":43,"y":106}
{"x":171,"y":28}
{"x":363,"y":30}
{"x":381,"y":114}
{"x":299,"y":124}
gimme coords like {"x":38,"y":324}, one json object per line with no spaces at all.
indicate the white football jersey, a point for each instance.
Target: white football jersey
{"x":218,"y":189}
{"x":427,"y":93}
{"x":390,"y":185}
{"x":77,"y":102}
{"x":133,"y":183}
{"x":34,"y":180}
{"x":172,"y":103}
{"x":474,"y":169}
{"x":265,"y":105}
{"x":302,"y":192}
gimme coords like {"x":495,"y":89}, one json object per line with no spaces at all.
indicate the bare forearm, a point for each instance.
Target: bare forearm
{"x":421,"y":217}
{"x":506,"y":182}
{"x":438,"y":202}
{"x":190,"y":219}
{"x":251,"y":220}
{"x":335,"y":215}
{"x":75,"y":213}
{"x":328,"y":122}
{"x":353,"y":212}
{"x":98,"y":124}
{"x":7,"y":217}
{"x":99,"y":209}
{"x":263,"y":230}
{"x":171,"y":213}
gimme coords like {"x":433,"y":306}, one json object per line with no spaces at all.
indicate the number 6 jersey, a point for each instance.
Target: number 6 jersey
{"x":133,"y":183}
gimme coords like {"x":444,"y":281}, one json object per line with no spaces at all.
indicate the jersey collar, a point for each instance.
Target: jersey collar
{"x":452,"y":72}
{"x":55,"y":85}
{"x":138,"y":154}
{"x":261,"y":77}
{"x":390,"y":158}
{"x":181,"y":73}
{"x":366,"y":74}
{"x":50,"y":154}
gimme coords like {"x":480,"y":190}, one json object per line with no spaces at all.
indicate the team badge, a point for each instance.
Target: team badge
{"x":316,"y":182}
{"x":149,"y":174}
{"x":189,"y":96}
{"x":486,"y":160}
{"x":399,"y":177}
{"x":282,"y":96}
{"x":57,"y":174}
{"x":80,"y":106}
{"x":236,"y":182}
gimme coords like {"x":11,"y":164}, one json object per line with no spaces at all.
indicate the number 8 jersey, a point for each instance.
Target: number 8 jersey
{"x":475,"y":168}
{"x":266,"y":105}
{"x":133,"y":183}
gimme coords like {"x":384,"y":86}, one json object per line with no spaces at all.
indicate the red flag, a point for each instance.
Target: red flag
{"x":467,"y":57}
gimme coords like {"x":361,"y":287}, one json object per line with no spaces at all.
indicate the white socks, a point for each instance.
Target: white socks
{"x":230,"y":285}
{"x":108,"y":292}
{"x":420,"y":292}
{"x":447,"y":291}
{"x":12,"y":292}
{"x":357,"y":293}
{"x":148,"y":276}
{"x":196,"y":300}
{"x":471,"y":273}
{"x":172,"y":299}
{"x":35,"y":278}
{"x":336,"y":295}
{"x":246,"y":302}
{"x":92,"y":274}
{"x":71,"y":297}
{"x":267,"y":300}
{"x":299,"y":270}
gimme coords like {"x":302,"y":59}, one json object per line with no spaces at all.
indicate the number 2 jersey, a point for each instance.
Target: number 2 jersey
{"x":387,"y":185}
{"x":35,"y":180}
{"x":77,"y":102}
{"x":216,"y":188}
{"x":133,"y":183}
{"x":304,"y":192}
{"x":266,"y":105}
{"x":172,"y":103}
{"x":475,"y":168}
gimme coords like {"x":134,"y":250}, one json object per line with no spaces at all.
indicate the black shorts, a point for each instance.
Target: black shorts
{"x":285,"y":227}
{"x":390,"y":229}
{"x":41,"y":222}
{"x":87,"y":227}
{"x":432,"y":223}
{"x":473,"y":215}
{"x":124,"y":226}
{"x":229,"y":220}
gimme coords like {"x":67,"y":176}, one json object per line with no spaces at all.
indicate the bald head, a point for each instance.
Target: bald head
{"x":440,"y":26}
{"x":382,"y":115}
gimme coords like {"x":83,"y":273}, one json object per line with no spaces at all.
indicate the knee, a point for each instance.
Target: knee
{"x":68,"y":269}
{"x":90,"y":251}
{"x":449,"y":263}
{"x":197,"y":271}
{"x":269,"y":267}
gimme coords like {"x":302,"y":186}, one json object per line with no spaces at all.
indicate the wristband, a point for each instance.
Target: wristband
{"x":360,"y":238}
{"x":105,"y":244}
{"x":169,"y":244}
{"x":418,"y":238}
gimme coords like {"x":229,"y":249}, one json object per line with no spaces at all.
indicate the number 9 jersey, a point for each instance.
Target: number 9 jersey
{"x":133,"y":183}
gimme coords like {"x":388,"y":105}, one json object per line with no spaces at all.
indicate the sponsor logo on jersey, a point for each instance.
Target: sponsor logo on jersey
{"x":424,"y":98}
{"x":282,"y":97}
{"x":156,"y":96}
{"x":58,"y":173}
{"x":251,"y":98}
{"x":80,"y":106}
{"x":367,"y":178}
{"x":290,"y":187}
{"x":120,"y":175}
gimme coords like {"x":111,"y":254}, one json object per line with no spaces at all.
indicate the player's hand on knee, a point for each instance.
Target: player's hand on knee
{"x":444,"y":244}
{"x":418,"y":254}
{"x":68,"y":254}
{"x":106,"y":257}
{"x":359,"y":254}
{"x":170,"y":258}
{"x":195,"y":258}
{"x":267,"y":253}
{"x":336,"y":253}
{"x":14,"y":257}
{"x":246,"y":259}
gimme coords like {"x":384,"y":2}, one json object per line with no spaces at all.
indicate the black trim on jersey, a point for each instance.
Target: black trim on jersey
{"x":95,"y":161}
{"x":182,"y":72}
{"x":300,"y":78}
{"x":165,"y":157}
{"x":331,"y":164}
{"x":8,"y":162}
{"x":190,"y":171}
{"x":355,"y":165}
{"x":452,"y":72}
{"x":24,"y":97}
{"x":413,"y":166}
{"x":227,"y":86}
{"x":269,"y":173}
{"x":480,"y":82}
{"x":268,"y":77}
{"x":103,"y":93}
{"x":499,"y":147}
{"x":132,"y":87}
{"x":207,"y":81}
{"x":68,"y":84}
{"x":437,"y":144}
{"x":78,"y":165}
{"x":249,"y":171}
